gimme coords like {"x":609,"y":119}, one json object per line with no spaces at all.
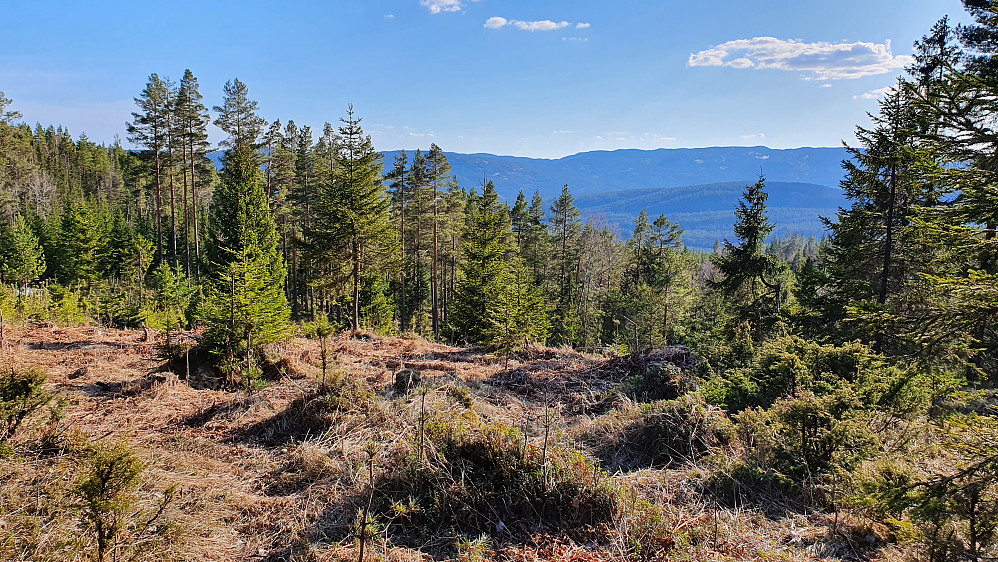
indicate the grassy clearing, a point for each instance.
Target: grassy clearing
{"x":551,"y":457}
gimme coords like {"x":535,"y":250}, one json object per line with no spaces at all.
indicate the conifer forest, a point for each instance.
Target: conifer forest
{"x":286,"y":347}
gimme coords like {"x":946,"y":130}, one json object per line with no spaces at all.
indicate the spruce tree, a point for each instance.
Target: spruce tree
{"x":520,"y":312}
{"x":873,"y":254}
{"x":351,"y":215}
{"x":439,"y":170}
{"x":536,"y":246}
{"x":245,"y":307}
{"x":753,"y":281}
{"x":565,"y":227}
{"x":484,"y":280}
{"x":399,"y":195}
{"x":21,"y":257}
{"x":451,"y":227}
{"x":520,"y":220}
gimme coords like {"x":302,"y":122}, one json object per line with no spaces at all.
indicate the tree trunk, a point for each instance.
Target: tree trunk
{"x":356,"y":283}
{"x":173,"y":217}
{"x":403,"y":324}
{"x":159,"y":209}
{"x":194,"y":206}
{"x":889,"y":239}
{"x":187,"y":215}
{"x":433,"y":273}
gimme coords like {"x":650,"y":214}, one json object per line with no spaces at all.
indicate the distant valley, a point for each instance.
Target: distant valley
{"x":698,"y":187}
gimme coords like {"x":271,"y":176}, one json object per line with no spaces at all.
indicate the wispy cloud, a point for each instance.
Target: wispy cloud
{"x":875,"y":94}
{"x":497,"y":22}
{"x":822,"y":61}
{"x":582,"y":25}
{"x":756,"y":136}
{"x":439,"y":6}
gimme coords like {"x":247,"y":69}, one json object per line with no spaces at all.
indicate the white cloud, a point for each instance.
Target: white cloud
{"x":562,"y":132}
{"x":823,"y":61}
{"x":582,"y":25}
{"x":389,"y":16}
{"x":542,"y":25}
{"x":826,"y":85}
{"x":756,"y":136}
{"x":497,"y":22}
{"x":579,"y":39}
{"x":438,"y":6}
{"x":875,"y":94}
{"x":741,"y":63}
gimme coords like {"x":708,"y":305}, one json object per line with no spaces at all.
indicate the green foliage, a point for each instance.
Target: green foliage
{"x":320,"y":328}
{"x":245,"y":316}
{"x":22,"y":394}
{"x":377,"y":307}
{"x":245,"y":306}
{"x":945,"y":500}
{"x":105,"y":489}
{"x":351,"y":218}
{"x":565,"y":228}
{"x":172,"y":296}
{"x":475,"y":473}
{"x":21,"y":257}
{"x":237,"y":116}
{"x":756,"y":283}
{"x":484,"y":277}
{"x":474,"y":550}
{"x":785,"y":365}
{"x":796,"y":448}
{"x":66,"y":305}
{"x":520,"y":314}
{"x":663,"y":433}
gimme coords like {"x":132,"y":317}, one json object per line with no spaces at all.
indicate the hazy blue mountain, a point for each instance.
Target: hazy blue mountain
{"x":706,"y":212}
{"x":621,"y":170}
{"x":698,"y":187}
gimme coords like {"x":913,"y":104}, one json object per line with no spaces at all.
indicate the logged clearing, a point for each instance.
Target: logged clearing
{"x":285,"y":473}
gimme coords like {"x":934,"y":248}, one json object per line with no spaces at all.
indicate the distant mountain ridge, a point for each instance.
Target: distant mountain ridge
{"x":620,"y":170}
{"x":698,"y":187}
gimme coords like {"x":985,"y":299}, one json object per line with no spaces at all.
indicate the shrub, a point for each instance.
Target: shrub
{"x":788,"y":364}
{"x":66,"y":307}
{"x":477,"y":475}
{"x":21,"y":395}
{"x":105,"y":490}
{"x":947,"y":505}
{"x":662,"y":433}
{"x":794,"y":450}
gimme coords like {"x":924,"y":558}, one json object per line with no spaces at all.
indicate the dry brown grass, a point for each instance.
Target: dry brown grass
{"x":252,"y":486}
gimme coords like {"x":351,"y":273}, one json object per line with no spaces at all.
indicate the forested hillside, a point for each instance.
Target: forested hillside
{"x":593,"y":173}
{"x":696,"y":187}
{"x":403,"y":365}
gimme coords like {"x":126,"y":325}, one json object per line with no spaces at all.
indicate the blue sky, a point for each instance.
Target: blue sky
{"x":540,"y":78}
